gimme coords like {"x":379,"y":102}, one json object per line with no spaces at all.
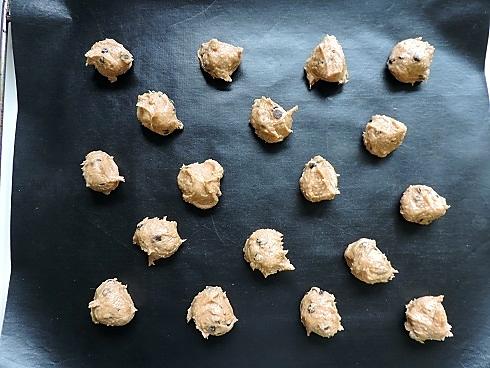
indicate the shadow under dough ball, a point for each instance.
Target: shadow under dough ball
{"x":112,"y":305}
{"x":100,"y":172}
{"x":110,"y":58}
{"x":327,"y":63}
{"x":410,"y":60}
{"x":212,"y":312}
{"x":219,"y":59}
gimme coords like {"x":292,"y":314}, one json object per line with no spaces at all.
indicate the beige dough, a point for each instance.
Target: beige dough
{"x":368,"y":263}
{"x":410,"y":60}
{"x":112,"y":304}
{"x":212,"y":312}
{"x":427,"y":320}
{"x":157,"y":237}
{"x":319,"y":181}
{"x":271,"y":122}
{"x":200,"y":183}
{"x":101,"y":172}
{"x":327,"y":62}
{"x":263,"y":250}
{"x":383,"y":135}
{"x":157,"y":112}
{"x":319,"y":314}
{"x":110,"y":58}
{"x":422,"y":205}
{"x":219,"y":59}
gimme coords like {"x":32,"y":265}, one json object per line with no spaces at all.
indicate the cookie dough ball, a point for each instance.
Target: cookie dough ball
{"x":410,"y":60}
{"x":112,"y":304}
{"x":383,"y":135}
{"x":101,"y":172}
{"x":368,"y":263}
{"x":200,"y":183}
{"x":219,"y":59}
{"x":319,"y":314}
{"x":271,"y":122}
{"x":327,"y":62}
{"x":263,"y":250}
{"x":422,"y":205}
{"x":212,"y":312}
{"x":427,"y":320}
{"x":319,"y":181}
{"x":157,"y":112}
{"x":110,"y":58}
{"x":157,"y":237}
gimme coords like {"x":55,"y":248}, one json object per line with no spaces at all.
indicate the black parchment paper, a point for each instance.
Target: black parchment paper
{"x":67,"y":239}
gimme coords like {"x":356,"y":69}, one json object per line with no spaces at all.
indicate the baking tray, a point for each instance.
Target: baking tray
{"x":66,"y":239}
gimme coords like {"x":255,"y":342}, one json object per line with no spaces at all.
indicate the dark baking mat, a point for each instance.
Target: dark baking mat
{"x":66,"y":239}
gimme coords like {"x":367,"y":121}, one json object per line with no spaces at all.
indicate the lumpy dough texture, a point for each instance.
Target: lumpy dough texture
{"x":410,"y":60}
{"x":427,"y":320}
{"x":112,"y":304}
{"x":271,"y":122}
{"x":157,"y":112}
{"x":319,"y":180}
{"x":319,"y":313}
{"x":157,"y":237}
{"x":368,"y":263}
{"x":219,"y":59}
{"x":200,"y":183}
{"x":327,"y":62}
{"x":212,"y":312}
{"x":263,"y":250}
{"x":110,"y":58}
{"x":422,"y":205}
{"x":383,"y":135}
{"x":101,"y":172}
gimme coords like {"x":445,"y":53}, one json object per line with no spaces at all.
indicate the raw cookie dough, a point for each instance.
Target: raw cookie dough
{"x":219,"y":59}
{"x":383,"y":135}
{"x":319,"y":181}
{"x":200,"y":183}
{"x":112,"y":304}
{"x":271,"y":122}
{"x":368,"y":263}
{"x":319,"y":314}
{"x":427,"y":320}
{"x":101,"y":172}
{"x":410,"y":60}
{"x":263,"y":250}
{"x":422,"y":205}
{"x":110,"y":58}
{"x":157,"y":112}
{"x":212,"y":312}
{"x":327,"y":62}
{"x":157,"y":237}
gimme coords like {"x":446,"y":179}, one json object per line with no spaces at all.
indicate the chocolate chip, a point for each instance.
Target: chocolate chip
{"x":400,"y":57}
{"x":311,"y":165}
{"x":321,"y":292}
{"x":157,"y":238}
{"x":104,"y":50}
{"x":390,"y":61}
{"x":415,"y":58}
{"x":311,"y":309}
{"x":211,"y":328}
{"x":277,"y":113}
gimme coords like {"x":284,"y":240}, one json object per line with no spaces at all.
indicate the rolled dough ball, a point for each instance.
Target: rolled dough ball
{"x":383,"y":135}
{"x":410,"y":60}
{"x":319,"y":314}
{"x":157,"y":237}
{"x":200,"y":183}
{"x":112,"y":304}
{"x":157,"y":112}
{"x":212,"y":312}
{"x":319,"y":181}
{"x":271,"y":122}
{"x":426,"y":319}
{"x":327,"y":62}
{"x":110,"y":58}
{"x":368,"y":263}
{"x":263,"y":250}
{"x":219,"y":59}
{"x":422,"y":205}
{"x":101,"y":172}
